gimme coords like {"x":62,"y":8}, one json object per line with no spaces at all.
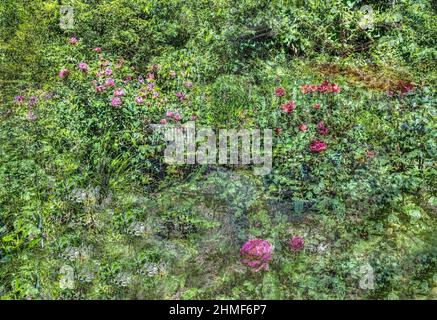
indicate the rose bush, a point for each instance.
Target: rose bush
{"x":82,"y":177}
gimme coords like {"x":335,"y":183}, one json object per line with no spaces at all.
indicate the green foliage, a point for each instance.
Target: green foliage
{"x":90,"y":210}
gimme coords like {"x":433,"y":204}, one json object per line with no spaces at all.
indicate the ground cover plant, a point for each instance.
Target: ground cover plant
{"x":90,"y":209}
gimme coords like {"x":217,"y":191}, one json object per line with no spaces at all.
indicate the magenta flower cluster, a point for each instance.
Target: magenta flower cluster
{"x":64,"y":73}
{"x":176,"y":116}
{"x":256,"y":254}
{"x":316,"y":145}
{"x":31,"y":116}
{"x":324,"y":87}
{"x":107,"y":73}
{"x":83,"y":67}
{"x":73,"y":41}
{"x":116,"y":102}
{"x":296,"y":243}
{"x":180,"y":96}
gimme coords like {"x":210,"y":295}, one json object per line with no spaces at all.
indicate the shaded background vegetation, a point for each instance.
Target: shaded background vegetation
{"x":86,"y":188}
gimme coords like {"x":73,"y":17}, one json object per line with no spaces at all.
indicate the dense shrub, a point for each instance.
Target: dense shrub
{"x":89,"y":209}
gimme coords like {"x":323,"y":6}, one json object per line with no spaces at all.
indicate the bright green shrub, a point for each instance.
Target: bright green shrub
{"x":84,"y":190}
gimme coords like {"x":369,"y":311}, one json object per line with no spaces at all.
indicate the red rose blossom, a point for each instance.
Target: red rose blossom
{"x":303,"y":127}
{"x":256,"y":254}
{"x":322,"y":129}
{"x":296,"y":243}
{"x":318,"y":146}
{"x":64,"y":73}
{"x":370,"y":154}
{"x":335,"y":88}
{"x":288,"y":107}
{"x":324,"y":87}
{"x":280,"y":92}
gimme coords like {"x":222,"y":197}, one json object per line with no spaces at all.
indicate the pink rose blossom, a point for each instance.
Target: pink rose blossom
{"x":73,"y":40}
{"x":256,"y":254}
{"x":33,"y":101}
{"x":324,"y":87}
{"x":305,"y":88}
{"x":318,"y":146}
{"x":19,"y":99}
{"x":83,"y":67}
{"x":303,"y":127}
{"x":370,"y":154}
{"x":150,"y":86}
{"x":116,"y":102}
{"x":163,"y":121}
{"x":308,"y":88}
{"x":335,"y":88}
{"x":98,"y":50}
{"x":280,"y":92}
{"x":322,"y":129}
{"x":127,"y":79}
{"x":119,"y":92}
{"x":288,"y":107}
{"x":296,"y":243}
{"x":64,"y":73}
{"x":139,"y":100}
{"x":109,"y":82}
{"x":180,"y":96}
{"x":100,"y":88}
